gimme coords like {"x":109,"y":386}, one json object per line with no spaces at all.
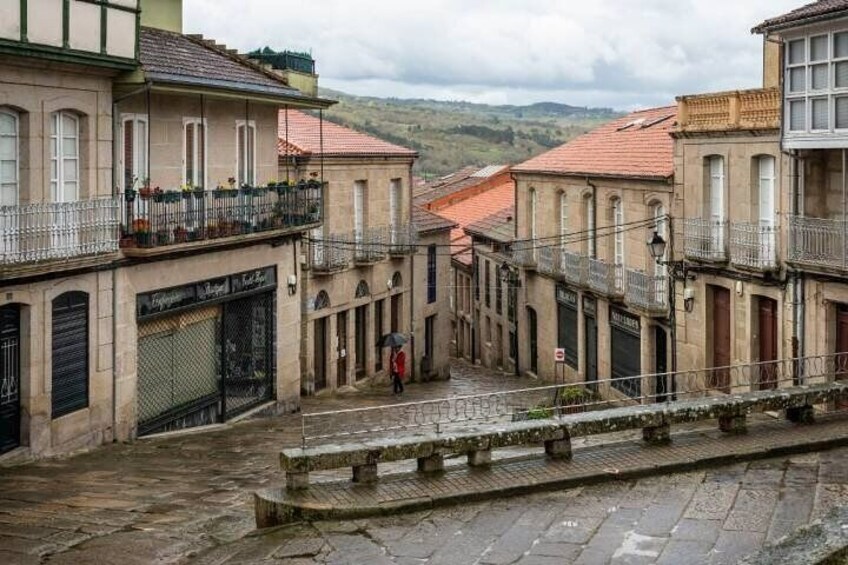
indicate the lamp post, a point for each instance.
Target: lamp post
{"x":676,"y":270}
{"x":509,"y":275}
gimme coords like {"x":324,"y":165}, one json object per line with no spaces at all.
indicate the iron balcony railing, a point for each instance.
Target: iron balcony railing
{"x":156,"y":219}
{"x":525,"y":254}
{"x":330,"y":253}
{"x":649,"y":292}
{"x":369,"y":245}
{"x":546,"y":263}
{"x":402,"y":239}
{"x":575,"y":268}
{"x":753,"y":246}
{"x":818,"y":242}
{"x":705,"y":239}
{"x":48,"y":231}
{"x":606,"y":278}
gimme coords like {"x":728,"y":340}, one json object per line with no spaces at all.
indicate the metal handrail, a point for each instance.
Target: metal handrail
{"x":439,"y":415}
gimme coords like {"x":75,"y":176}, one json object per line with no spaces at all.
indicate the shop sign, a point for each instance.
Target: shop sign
{"x":624,"y":321}
{"x":195,"y":294}
{"x":566,"y":296}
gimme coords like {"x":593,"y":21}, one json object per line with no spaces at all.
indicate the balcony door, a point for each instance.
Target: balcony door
{"x":395,"y":200}
{"x":618,"y":247}
{"x":766,"y":166}
{"x":359,"y":213}
{"x":9,"y":167}
{"x":716,"y":203}
{"x":64,"y":183}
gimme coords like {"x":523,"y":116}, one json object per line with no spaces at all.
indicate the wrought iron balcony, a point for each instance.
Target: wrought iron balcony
{"x":330,"y":254}
{"x":547,"y":261}
{"x":157,"y":220}
{"x":58,"y":231}
{"x":402,"y":240}
{"x":648,"y":292}
{"x":525,"y":255}
{"x":606,"y":278}
{"x":818,"y":243}
{"x":753,"y":246}
{"x":369,"y":245}
{"x":705,"y":239}
{"x":575,"y":268}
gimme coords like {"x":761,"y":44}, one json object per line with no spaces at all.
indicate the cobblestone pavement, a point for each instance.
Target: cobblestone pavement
{"x":189,"y":498}
{"x":715,"y":516}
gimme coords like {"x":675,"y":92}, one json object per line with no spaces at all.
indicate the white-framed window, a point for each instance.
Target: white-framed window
{"x":64,"y":156}
{"x":533,"y":228}
{"x":661,"y":227}
{"x":246,"y":152}
{"x":563,"y":218}
{"x":9,"y":157}
{"x":134,"y":150}
{"x":589,"y":208}
{"x":359,"y":188}
{"x":194,"y":152}
{"x":716,"y":201}
{"x":816,"y":69}
{"x":618,"y":242}
{"x":395,"y":203}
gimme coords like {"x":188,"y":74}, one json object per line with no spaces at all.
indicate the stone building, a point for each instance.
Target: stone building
{"x":367,"y":274}
{"x":466,"y":197}
{"x":588,"y":283}
{"x":58,"y":220}
{"x":149,"y":278}
{"x":729,"y":170}
{"x":811,"y":43}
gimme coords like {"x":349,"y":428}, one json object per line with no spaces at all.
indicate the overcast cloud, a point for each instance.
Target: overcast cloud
{"x":620,"y":53}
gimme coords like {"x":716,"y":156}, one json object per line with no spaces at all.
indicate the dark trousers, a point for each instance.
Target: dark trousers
{"x":397,"y":383}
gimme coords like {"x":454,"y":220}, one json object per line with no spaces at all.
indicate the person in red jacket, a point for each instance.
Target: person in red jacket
{"x":398,"y":365}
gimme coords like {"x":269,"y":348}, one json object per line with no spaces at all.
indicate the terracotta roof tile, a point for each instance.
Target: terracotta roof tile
{"x":499,"y":226}
{"x":473,"y":210}
{"x":638,"y":145}
{"x":426,"y":221}
{"x":167,"y":55}
{"x":798,"y":16}
{"x":304,"y":138}
{"x":460,"y":180}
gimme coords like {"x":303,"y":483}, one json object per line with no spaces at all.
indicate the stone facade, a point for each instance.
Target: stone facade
{"x":437,"y":311}
{"x":342,"y":365}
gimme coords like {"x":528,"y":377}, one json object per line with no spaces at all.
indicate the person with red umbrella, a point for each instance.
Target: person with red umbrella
{"x":397,"y":361}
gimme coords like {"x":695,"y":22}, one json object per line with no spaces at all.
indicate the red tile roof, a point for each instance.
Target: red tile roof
{"x":473,"y":210}
{"x":304,"y":138}
{"x":427,"y":222}
{"x":823,"y":9}
{"x":638,"y":145}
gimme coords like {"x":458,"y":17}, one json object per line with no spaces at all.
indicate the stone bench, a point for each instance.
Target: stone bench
{"x":477,"y":441}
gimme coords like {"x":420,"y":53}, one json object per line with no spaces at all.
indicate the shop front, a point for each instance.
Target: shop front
{"x":206,"y":350}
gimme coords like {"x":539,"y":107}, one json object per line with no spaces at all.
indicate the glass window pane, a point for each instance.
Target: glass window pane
{"x":819,"y":77}
{"x":189,"y":153}
{"x":53,"y":124}
{"x":69,"y":147}
{"x":69,"y":169}
{"x":798,"y":79}
{"x":53,"y":169}
{"x":797,"y":115}
{"x":820,"y":114}
{"x":69,"y":125}
{"x":8,"y":194}
{"x":70,"y":193}
{"x":8,"y":148}
{"x":840,"y":45}
{"x":818,"y":48}
{"x":8,"y":171}
{"x":141,"y":150}
{"x":842,"y":112}
{"x":201,"y":155}
{"x":796,"y":52}
{"x":7,"y":124}
{"x":841,"y":78}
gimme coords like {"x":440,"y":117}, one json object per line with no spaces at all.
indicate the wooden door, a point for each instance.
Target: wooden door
{"x":319,"y":353}
{"x":842,"y":348}
{"x":767,"y":318}
{"x":721,"y":339}
{"x":341,"y":348}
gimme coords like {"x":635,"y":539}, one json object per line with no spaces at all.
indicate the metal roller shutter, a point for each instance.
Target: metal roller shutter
{"x":70,"y":353}
{"x":626,"y":352}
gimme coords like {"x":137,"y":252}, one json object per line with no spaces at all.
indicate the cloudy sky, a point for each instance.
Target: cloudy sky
{"x":620,"y":53}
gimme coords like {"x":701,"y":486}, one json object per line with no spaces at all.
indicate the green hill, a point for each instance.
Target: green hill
{"x":452,"y":135}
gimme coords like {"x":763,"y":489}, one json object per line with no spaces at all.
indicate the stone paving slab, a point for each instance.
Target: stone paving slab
{"x":460,"y":483}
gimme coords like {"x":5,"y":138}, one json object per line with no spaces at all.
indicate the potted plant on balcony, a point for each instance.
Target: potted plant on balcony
{"x":313,"y":213}
{"x":163,"y":237}
{"x":198,"y":192}
{"x":180,"y":235}
{"x":313,"y":180}
{"x":187,"y":191}
{"x":171,"y":196}
{"x":141,"y":232}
